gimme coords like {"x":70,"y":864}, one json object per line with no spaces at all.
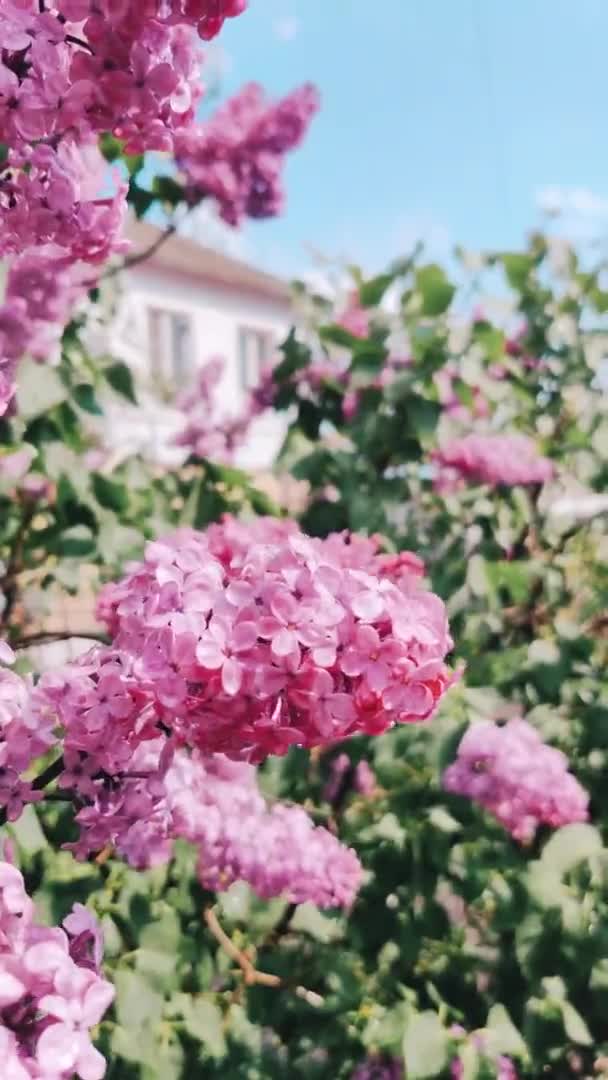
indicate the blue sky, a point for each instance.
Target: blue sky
{"x":440,"y":118}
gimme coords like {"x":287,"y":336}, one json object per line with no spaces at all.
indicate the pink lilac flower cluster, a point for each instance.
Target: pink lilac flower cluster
{"x":52,"y":992}
{"x":23,"y":738}
{"x":309,"y":382}
{"x":81,"y":67}
{"x":114,"y":753}
{"x":216,"y":804}
{"x":247,"y":639}
{"x":379,"y":1067}
{"x":42,"y":288}
{"x":521,"y":781}
{"x":211,"y":14}
{"x":71,"y":70}
{"x":300,"y":641}
{"x":354,"y":318}
{"x":491,"y":459}
{"x":208,"y":433}
{"x":236,"y":158}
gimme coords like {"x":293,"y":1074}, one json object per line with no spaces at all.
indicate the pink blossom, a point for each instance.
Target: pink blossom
{"x":50,"y":999}
{"x":519,"y":779}
{"x":236,"y":158}
{"x":273,"y":650}
{"x":495,"y":460}
{"x":208,"y":431}
{"x":354,"y":318}
{"x":277,"y":849}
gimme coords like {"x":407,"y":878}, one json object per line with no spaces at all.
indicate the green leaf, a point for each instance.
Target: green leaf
{"x":311,"y":921}
{"x":574,"y":1025}
{"x":111,"y":494}
{"x":74,"y":542}
{"x":571,"y":845}
{"x":28,"y":832}
{"x":425,"y":1046}
{"x":518,"y":268}
{"x":436,"y":290}
{"x":119,"y":377}
{"x":295,"y":357}
{"x":477,"y":575}
{"x":491,"y":340}
{"x":502,"y":1035}
{"x":442,"y":820}
{"x":337,"y":335}
{"x":368,"y":357}
{"x":372,"y":291}
{"x":110,"y":146}
{"x":137,"y":1003}
{"x":168,"y":189}
{"x":140,"y":199}
{"x":422,"y":414}
{"x":84,"y":396}
{"x":203,"y":1021}
{"x":39,"y":389}
{"x":210,"y":505}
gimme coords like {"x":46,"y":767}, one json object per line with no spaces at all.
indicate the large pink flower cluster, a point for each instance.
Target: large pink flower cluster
{"x":299,"y":641}
{"x":42,"y":288}
{"x":71,"y":70}
{"x":517,"y":777}
{"x":492,"y":459}
{"x":23,"y":737}
{"x":237,"y":157}
{"x":51,"y":993}
{"x":247,"y":639}
{"x":81,"y":67}
{"x":217,"y":805}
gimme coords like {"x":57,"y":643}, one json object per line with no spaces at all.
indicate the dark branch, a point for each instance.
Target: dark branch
{"x":73,"y":40}
{"x":141,"y":256}
{"x":48,"y":637}
{"x":51,"y":773}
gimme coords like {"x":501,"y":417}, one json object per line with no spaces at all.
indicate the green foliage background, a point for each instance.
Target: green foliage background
{"x":456,"y":923}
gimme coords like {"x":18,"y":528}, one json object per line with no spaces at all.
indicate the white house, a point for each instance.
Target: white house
{"x":179,"y":307}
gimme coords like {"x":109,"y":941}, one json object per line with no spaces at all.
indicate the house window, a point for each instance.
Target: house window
{"x":170,"y":348}
{"x":254,"y":351}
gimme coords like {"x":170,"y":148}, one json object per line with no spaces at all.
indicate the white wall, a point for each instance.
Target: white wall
{"x":216,"y":314}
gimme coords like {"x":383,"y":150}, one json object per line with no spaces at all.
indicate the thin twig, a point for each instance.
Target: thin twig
{"x":51,"y":773}
{"x":140,"y":256}
{"x":251,"y":976}
{"x":47,"y":637}
{"x":73,"y":40}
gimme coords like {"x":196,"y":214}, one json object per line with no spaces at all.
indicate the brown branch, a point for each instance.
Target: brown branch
{"x":49,"y":636}
{"x":251,"y":976}
{"x":51,"y":773}
{"x":139,"y":256}
{"x":73,"y":40}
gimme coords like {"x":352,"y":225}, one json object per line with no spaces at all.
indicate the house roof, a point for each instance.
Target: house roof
{"x":180,"y":255}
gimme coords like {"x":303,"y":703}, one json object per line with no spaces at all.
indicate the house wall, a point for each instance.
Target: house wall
{"x":216,"y":313}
